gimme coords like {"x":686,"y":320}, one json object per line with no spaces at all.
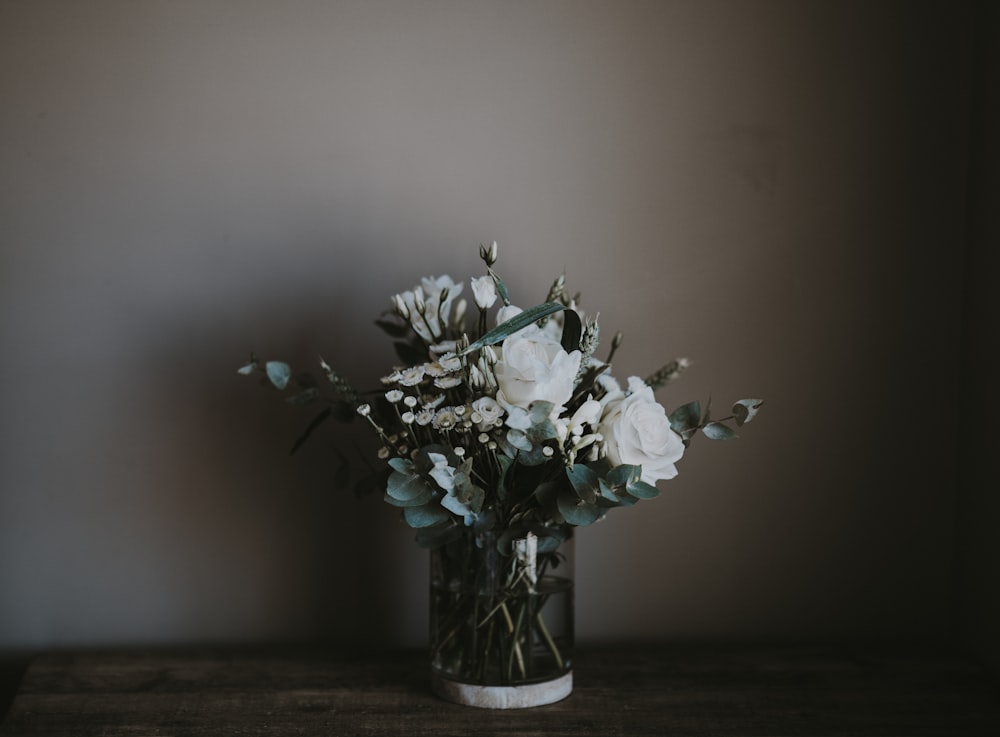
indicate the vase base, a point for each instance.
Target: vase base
{"x":503,"y":697}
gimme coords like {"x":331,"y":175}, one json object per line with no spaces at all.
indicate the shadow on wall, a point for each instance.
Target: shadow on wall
{"x":247,"y":541}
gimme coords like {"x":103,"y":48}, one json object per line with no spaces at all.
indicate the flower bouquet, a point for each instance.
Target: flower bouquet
{"x":497,"y":442}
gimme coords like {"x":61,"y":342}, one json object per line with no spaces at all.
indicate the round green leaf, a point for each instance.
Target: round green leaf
{"x":718,"y":431}
{"x":279,"y":373}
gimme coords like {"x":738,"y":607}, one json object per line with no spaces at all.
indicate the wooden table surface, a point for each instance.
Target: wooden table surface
{"x":630,"y":691}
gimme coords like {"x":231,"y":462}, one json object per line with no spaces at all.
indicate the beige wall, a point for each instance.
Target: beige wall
{"x":775,"y":189}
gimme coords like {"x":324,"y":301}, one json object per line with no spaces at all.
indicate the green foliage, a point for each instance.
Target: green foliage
{"x":426,"y":515}
{"x":572,"y":331}
{"x":685,"y":420}
{"x":520,"y":321}
{"x":456,"y":459}
{"x":531,"y":432}
{"x":279,"y":373}
{"x":718,"y":431}
{"x":745,"y":410}
{"x":577,"y":512}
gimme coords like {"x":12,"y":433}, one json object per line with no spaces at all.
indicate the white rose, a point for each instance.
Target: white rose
{"x":535,"y":367}
{"x":637,"y":431}
{"x":489,"y":412}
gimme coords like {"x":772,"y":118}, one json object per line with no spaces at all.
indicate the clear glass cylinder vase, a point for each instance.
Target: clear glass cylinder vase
{"x":501,"y":621}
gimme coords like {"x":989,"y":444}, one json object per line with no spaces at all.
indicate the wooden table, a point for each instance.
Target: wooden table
{"x":657,"y":690}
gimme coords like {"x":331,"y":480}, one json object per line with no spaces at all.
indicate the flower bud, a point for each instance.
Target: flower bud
{"x":401,"y":309}
{"x":489,"y":255}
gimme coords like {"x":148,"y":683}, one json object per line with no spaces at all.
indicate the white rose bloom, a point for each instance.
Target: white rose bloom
{"x":489,"y":412}
{"x":637,"y":431}
{"x":533,"y":367}
{"x":484,"y":291}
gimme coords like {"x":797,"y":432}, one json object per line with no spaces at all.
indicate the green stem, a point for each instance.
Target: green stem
{"x":548,"y":640}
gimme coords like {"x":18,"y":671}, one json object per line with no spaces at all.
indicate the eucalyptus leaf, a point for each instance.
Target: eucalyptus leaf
{"x":515,"y":324}
{"x":546,"y":494}
{"x":623,"y":474}
{"x":279,"y":373}
{"x":408,"y":488}
{"x":246,"y":370}
{"x":642,"y":490}
{"x":746,"y":409}
{"x":686,"y":417}
{"x":577,"y":512}
{"x":549,"y":539}
{"x":610,"y":493}
{"x":718,"y":431}
{"x":505,"y":464}
{"x":403,"y":465}
{"x":584,"y":480}
{"x":425,"y":516}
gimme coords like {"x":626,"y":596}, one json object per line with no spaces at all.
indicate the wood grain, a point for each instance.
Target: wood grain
{"x":631,"y":691}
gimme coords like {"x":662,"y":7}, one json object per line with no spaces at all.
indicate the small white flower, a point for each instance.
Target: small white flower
{"x":429,"y":305}
{"x":364,"y":410}
{"x":444,"y":419}
{"x":484,"y":291}
{"x":400,"y":304}
{"x":476,"y":378}
{"x":459,"y":316}
{"x":459,"y":451}
{"x":425,"y":417}
{"x":407,"y":418}
{"x":444,"y":347}
{"x":447,"y":382}
{"x":383,"y":453}
{"x":410,"y":402}
{"x":394,"y":395}
{"x":411,"y":376}
{"x":450,"y":363}
{"x":484,"y":438}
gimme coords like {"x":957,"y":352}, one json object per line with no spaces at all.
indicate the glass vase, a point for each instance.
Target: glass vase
{"x":501,"y":622}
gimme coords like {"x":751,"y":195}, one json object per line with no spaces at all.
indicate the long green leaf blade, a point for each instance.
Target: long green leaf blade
{"x":513,"y":325}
